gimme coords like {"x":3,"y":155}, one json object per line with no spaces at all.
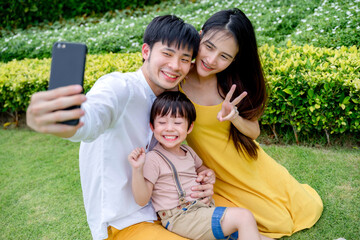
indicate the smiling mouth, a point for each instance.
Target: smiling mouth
{"x":173,"y":77}
{"x":206,"y":66}
{"x":170,"y":138}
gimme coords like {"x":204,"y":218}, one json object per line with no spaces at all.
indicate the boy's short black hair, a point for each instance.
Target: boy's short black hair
{"x":170,"y":29}
{"x":175,"y":103}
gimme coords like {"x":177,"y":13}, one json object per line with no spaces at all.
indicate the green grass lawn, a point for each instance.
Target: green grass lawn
{"x":40,"y":192}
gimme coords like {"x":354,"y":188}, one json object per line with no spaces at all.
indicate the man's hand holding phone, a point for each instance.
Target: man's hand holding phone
{"x":57,"y":111}
{"x":46,"y":110}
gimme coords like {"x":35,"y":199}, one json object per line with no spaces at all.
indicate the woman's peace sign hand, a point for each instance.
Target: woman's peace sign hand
{"x":229,"y":110}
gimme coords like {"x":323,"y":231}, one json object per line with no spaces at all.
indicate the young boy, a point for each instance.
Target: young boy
{"x":167,"y":173}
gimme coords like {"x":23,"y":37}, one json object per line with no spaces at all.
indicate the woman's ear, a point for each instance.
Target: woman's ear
{"x":190,"y":128}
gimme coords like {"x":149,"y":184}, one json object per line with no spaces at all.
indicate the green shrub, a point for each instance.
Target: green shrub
{"x":313,"y":90}
{"x":20,"y":14}
{"x":20,"y":79}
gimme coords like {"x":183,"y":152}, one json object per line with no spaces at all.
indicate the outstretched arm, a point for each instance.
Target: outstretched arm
{"x":229,"y":112}
{"x":141,"y":188}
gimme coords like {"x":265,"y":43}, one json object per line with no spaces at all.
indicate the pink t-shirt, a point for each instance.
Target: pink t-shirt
{"x":158,"y":172}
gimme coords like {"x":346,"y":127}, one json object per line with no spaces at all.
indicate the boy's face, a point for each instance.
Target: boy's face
{"x":165,"y":66}
{"x":170,"y":131}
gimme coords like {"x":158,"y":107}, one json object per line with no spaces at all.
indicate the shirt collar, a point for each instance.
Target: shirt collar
{"x":143,"y":81}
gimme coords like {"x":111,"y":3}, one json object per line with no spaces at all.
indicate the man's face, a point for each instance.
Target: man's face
{"x":165,"y":66}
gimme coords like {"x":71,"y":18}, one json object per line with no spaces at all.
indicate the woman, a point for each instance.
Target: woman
{"x":228,"y":90}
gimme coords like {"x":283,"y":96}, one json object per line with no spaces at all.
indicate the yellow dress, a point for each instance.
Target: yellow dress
{"x":280,"y":204}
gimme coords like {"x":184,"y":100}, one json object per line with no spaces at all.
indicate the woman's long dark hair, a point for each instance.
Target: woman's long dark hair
{"x":245,"y":71}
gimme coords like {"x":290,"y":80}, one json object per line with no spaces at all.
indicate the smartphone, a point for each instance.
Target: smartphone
{"x":67,"y":68}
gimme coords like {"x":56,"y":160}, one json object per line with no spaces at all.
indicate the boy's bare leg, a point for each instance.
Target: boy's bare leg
{"x":241,"y":220}
{"x":262,"y":237}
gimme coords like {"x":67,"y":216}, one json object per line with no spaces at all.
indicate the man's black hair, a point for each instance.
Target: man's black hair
{"x":170,"y":29}
{"x":175,"y":103}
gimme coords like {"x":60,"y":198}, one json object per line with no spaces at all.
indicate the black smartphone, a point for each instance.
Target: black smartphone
{"x":67,"y":67}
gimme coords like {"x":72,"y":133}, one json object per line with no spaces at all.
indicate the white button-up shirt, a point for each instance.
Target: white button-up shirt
{"x":116,"y":121}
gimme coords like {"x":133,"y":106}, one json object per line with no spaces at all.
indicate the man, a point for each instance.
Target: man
{"x":114,"y":121}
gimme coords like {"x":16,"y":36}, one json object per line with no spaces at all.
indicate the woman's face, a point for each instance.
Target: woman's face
{"x":216,"y":52}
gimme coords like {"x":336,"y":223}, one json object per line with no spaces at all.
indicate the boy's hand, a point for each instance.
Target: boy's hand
{"x":137,"y":158}
{"x":203,"y":192}
{"x":207,"y":180}
{"x":206,"y":176}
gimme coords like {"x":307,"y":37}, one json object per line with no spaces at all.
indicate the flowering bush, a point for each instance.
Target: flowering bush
{"x":321,"y":23}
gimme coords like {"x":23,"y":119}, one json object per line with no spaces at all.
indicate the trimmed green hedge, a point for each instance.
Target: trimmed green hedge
{"x":20,"y":14}
{"x":311,"y":89}
{"x":20,"y":79}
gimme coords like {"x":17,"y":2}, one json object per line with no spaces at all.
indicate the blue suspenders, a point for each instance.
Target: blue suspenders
{"x":181,"y":191}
